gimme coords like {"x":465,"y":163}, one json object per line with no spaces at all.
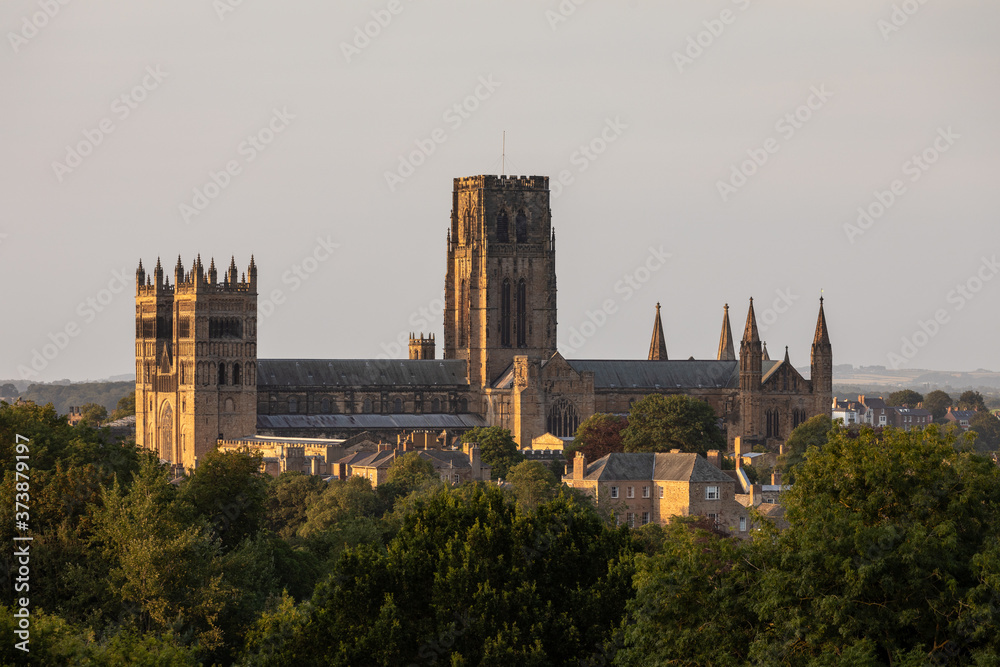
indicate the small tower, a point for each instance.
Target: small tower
{"x":765,"y":356}
{"x":726,"y":351}
{"x":751,"y":362}
{"x":658,"y":344}
{"x":420,"y":347}
{"x":821,"y":365}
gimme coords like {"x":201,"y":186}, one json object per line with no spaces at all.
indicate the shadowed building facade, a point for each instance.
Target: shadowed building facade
{"x":501,"y":365}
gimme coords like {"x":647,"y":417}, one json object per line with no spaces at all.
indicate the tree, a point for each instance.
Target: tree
{"x":987,"y":428}
{"x":938,"y":403}
{"x":533,"y":483}
{"x":906,"y":398}
{"x":496,"y":448}
{"x":408,"y":473}
{"x":813,"y":432}
{"x":884,"y":559}
{"x":599,"y":435}
{"x":288,"y":497}
{"x":9,"y":391}
{"x":126,"y":406}
{"x":660,"y":423}
{"x":229,"y":491}
{"x":971,"y":400}
{"x":92,"y":414}
{"x":342,"y":500}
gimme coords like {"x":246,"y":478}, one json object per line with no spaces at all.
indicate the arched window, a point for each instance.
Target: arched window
{"x":463,"y":309}
{"x":463,"y":405}
{"x":273,"y":405}
{"x":397,"y":406}
{"x":522,"y":314}
{"x":236,"y":374}
{"x":505,"y":322}
{"x":324,"y":406}
{"x":293,"y":405}
{"x":222,"y":373}
{"x":521,"y":226}
{"x":436,"y":405}
{"x":367,"y":406}
{"x":773,"y":429}
{"x":563,"y":419}
{"x":166,"y":432}
{"x":230,"y":405}
{"x":503,"y":233}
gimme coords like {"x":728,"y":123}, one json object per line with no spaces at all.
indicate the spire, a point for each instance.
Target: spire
{"x":213,"y":275}
{"x":657,"y":346}
{"x":786,"y":356}
{"x":252,"y":272}
{"x":750,"y":331}
{"x":765,"y":356}
{"x":822,"y":336}
{"x":726,"y":349}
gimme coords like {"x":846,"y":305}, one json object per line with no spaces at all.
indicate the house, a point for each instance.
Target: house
{"x":850,"y":412}
{"x":907,"y":418}
{"x":450,"y":465}
{"x":960,"y":417}
{"x":874,"y":411}
{"x":643,"y":488}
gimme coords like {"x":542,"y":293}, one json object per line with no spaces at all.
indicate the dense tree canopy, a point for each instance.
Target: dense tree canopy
{"x":599,"y":435}
{"x":905,"y":398}
{"x":987,"y":429}
{"x":660,"y":423}
{"x":938,"y":403}
{"x":496,"y":448}
{"x":125,"y":407}
{"x":533,"y":483}
{"x":971,"y":400}
{"x":811,"y":433}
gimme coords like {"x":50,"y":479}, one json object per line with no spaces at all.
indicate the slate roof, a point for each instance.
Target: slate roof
{"x":682,"y":467}
{"x":361,"y":372}
{"x":767,"y":368}
{"x":684,"y":374}
{"x":371,"y":421}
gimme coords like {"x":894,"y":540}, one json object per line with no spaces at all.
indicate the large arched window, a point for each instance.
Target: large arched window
{"x":397,"y":405}
{"x":366,"y":407}
{"x":772,"y":423}
{"x":503,"y":233}
{"x":237,"y":375}
{"x":522,"y":314}
{"x":436,"y":405}
{"x":324,"y":406}
{"x":293,"y":405}
{"x":166,"y":432}
{"x":563,"y":419}
{"x":463,"y":405}
{"x":521,"y":226}
{"x":505,"y":323}
{"x":463,"y":310}
{"x":222,"y":373}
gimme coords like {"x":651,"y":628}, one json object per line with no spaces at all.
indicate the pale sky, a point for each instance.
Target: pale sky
{"x":151,"y":98}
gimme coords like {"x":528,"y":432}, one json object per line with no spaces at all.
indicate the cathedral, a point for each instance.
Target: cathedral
{"x":199,"y":381}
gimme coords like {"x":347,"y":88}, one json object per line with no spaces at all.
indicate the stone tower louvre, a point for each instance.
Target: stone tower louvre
{"x":195,"y":359}
{"x":500,"y":286}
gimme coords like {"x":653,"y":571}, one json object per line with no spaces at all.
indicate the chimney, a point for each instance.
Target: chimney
{"x":579,"y":466}
{"x":756,"y":494}
{"x":776,"y":478}
{"x":475,"y":463}
{"x":739,"y":460}
{"x":714,"y":457}
{"x":675,"y":451}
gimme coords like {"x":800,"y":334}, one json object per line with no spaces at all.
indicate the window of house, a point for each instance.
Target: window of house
{"x":645,"y":518}
{"x":714,"y":518}
{"x":645,"y":492}
{"x":743,"y":524}
{"x":630,"y":492}
{"x":614,"y":491}
{"x":457,"y":478}
{"x":661,"y":491}
{"x":711,"y":493}
{"x":630,"y":519}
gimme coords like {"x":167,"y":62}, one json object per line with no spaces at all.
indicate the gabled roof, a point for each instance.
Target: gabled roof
{"x":361,"y":372}
{"x":681,"y":374}
{"x":666,"y":467}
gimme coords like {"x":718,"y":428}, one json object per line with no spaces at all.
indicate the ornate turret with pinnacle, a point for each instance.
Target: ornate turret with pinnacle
{"x":658,"y":344}
{"x":821,"y":364}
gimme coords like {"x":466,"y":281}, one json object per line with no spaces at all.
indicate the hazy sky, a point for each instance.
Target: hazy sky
{"x":114,"y":113}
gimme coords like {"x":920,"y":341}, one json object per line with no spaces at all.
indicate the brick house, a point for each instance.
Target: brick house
{"x":450,"y":465}
{"x":960,"y":417}
{"x":907,"y":418}
{"x":644,"y":488}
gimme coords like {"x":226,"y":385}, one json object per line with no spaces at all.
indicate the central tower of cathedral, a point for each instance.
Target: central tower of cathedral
{"x":500,"y":286}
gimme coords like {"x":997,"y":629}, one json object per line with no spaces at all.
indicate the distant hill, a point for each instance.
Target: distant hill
{"x":63,"y":396}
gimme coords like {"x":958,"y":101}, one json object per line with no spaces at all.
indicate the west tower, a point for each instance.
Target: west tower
{"x":500,"y":286}
{"x":195,"y":359}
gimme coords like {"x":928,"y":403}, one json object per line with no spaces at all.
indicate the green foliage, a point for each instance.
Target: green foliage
{"x":406,"y":474}
{"x":659,"y":423}
{"x":971,"y":400}
{"x":62,"y":396}
{"x":987,"y":429}
{"x":342,"y":500}
{"x":496,"y":448}
{"x":467,"y":580}
{"x":938,"y":403}
{"x":93,"y":414}
{"x":125,"y":407}
{"x":288,"y":497}
{"x":905,"y":398}
{"x":599,"y":435}
{"x":229,"y":492}
{"x":813,"y":432}
{"x":533,"y":483}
